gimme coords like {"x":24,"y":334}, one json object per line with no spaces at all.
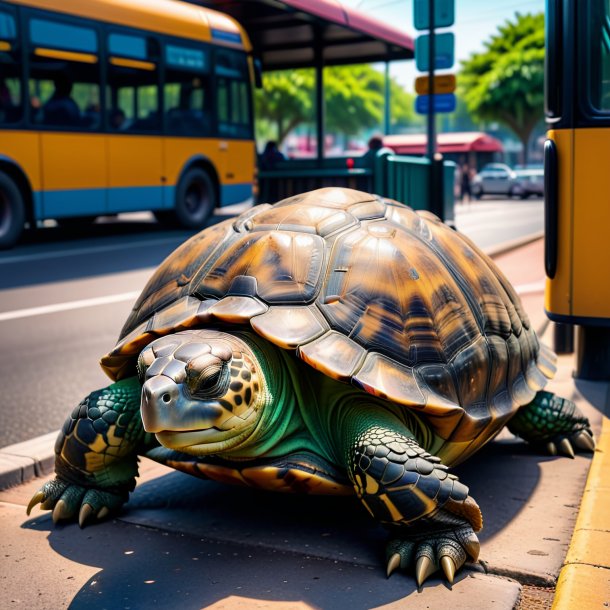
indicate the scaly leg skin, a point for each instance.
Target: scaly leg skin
{"x":96,"y":455}
{"x":553,"y":424}
{"x":429,"y":512}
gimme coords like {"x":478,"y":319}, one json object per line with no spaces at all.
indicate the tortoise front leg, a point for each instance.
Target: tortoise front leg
{"x":96,"y":455}
{"x":431,"y":517}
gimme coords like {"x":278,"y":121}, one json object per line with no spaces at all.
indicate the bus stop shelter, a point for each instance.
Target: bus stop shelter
{"x":290,"y":34}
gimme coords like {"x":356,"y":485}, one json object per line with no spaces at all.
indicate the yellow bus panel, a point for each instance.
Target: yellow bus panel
{"x":163,"y":16}
{"x":23,"y":149}
{"x":591,"y":249}
{"x":558,"y":293}
{"x":581,"y":286}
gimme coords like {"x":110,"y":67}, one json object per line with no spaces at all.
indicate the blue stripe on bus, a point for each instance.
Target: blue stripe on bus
{"x":136,"y":198}
{"x":99,"y":201}
{"x":226,"y":36}
{"x":73,"y":202}
{"x":235,"y":193}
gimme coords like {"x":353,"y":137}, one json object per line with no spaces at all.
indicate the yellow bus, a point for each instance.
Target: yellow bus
{"x":577,"y":175}
{"x":111,"y":106}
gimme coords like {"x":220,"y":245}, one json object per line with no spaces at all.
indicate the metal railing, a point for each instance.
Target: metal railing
{"x":404,"y":178}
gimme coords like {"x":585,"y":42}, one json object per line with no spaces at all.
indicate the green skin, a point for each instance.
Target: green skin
{"x":380,"y":447}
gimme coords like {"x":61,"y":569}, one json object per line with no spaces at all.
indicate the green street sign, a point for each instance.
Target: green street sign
{"x":444,"y":14}
{"x":444,"y":51}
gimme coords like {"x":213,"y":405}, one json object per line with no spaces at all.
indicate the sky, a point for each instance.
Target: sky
{"x":475,"y":22}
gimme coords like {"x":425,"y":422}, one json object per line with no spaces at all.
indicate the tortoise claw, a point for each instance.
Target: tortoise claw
{"x":393,"y":563}
{"x":37,"y":498}
{"x":61,"y":511}
{"x":473,"y":547}
{"x":86,"y":511}
{"x":423,"y":569}
{"x":448,"y":568}
{"x":551,"y":448}
{"x":566,"y":448}
{"x":103,"y":513}
{"x":584,"y":441}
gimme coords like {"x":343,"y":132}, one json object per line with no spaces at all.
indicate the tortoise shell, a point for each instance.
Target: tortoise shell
{"x":366,"y":290}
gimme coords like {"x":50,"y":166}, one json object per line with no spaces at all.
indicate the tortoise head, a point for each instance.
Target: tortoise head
{"x":202,"y":390}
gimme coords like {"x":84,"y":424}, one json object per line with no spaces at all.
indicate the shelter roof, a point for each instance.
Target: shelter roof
{"x":298,"y":33}
{"x":450,"y":142}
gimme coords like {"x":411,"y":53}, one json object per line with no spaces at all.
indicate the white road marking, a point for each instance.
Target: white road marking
{"x":521,"y":289}
{"x":89,"y":250}
{"x":45,"y":309}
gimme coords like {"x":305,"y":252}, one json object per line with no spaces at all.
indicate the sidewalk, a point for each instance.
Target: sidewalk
{"x":186,"y":543}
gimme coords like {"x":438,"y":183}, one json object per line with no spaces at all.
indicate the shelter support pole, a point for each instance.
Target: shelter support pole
{"x":319,"y":59}
{"x":386,"y":106}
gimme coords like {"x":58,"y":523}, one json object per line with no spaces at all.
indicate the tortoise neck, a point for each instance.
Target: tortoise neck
{"x":279,"y":429}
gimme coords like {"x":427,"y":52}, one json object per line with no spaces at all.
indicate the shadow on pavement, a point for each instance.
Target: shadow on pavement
{"x":501,"y":477}
{"x":196,"y":543}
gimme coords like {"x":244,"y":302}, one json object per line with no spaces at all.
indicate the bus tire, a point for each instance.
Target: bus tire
{"x":12,"y":212}
{"x":195,"y":199}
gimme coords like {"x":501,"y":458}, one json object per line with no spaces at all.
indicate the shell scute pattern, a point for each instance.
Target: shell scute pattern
{"x":368,"y":292}
{"x":287,"y":266}
{"x":173,"y":278}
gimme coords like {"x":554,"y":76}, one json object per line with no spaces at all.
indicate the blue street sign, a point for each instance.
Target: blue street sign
{"x":444,"y":14}
{"x":444,"y":45}
{"x":442,"y":102}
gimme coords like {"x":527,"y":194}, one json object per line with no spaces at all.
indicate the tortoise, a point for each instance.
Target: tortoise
{"x":333,"y":343}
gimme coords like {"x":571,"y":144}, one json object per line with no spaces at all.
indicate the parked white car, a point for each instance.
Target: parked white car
{"x":500,"y":179}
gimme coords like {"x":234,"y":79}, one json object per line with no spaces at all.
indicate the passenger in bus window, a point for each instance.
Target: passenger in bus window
{"x":118,"y":120}
{"x":8,"y":109}
{"x":61,"y":109}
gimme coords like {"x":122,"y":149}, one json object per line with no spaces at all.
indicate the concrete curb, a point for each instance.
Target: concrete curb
{"x":23,"y":461}
{"x":513,"y":244}
{"x":584,"y":580}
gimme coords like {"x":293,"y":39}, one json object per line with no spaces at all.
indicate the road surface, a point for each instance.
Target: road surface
{"x":64,"y":298}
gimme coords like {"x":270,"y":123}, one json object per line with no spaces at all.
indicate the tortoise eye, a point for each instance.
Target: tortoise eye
{"x":207,"y":377}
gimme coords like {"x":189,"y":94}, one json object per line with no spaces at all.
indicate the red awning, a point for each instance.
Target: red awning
{"x":287,"y":33}
{"x":458,"y":142}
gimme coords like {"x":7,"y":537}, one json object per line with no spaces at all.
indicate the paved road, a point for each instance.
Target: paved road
{"x":65,"y":295}
{"x":489,"y":222}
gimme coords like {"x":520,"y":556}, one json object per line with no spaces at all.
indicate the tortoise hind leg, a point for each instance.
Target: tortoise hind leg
{"x":431,"y":517}
{"x":553,"y":423}
{"x":96,"y":455}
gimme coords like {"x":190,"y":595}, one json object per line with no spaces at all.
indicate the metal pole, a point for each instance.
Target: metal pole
{"x":386,"y":116}
{"x":319,"y":101}
{"x":431,"y":116}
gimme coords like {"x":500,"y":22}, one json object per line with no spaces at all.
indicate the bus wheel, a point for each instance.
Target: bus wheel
{"x":12,"y":212}
{"x":195,"y":199}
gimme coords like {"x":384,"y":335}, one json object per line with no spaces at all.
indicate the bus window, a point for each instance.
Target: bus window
{"x":233,"y":95}
{"x":64,"y":75}
{"x":11,"y":103}
{"x":133,"y":89}
{"x":186,"y":91}
{"x":598,"y":60}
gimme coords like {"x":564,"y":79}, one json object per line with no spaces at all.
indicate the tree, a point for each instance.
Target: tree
{"x":286,"y":100}
{"x":354,"y":98}
{"x":505,"y":83}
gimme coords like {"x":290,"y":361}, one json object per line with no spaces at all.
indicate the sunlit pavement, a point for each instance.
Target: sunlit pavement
{"x":182,"y":542}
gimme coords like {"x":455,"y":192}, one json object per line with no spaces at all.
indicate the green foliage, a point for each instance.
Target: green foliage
{"x":505,"y":82}
{"x":354,"y":97}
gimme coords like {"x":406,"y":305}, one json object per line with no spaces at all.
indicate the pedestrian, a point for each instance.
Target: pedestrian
{"x":271,"y":155}
{"x":465,"y":190}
